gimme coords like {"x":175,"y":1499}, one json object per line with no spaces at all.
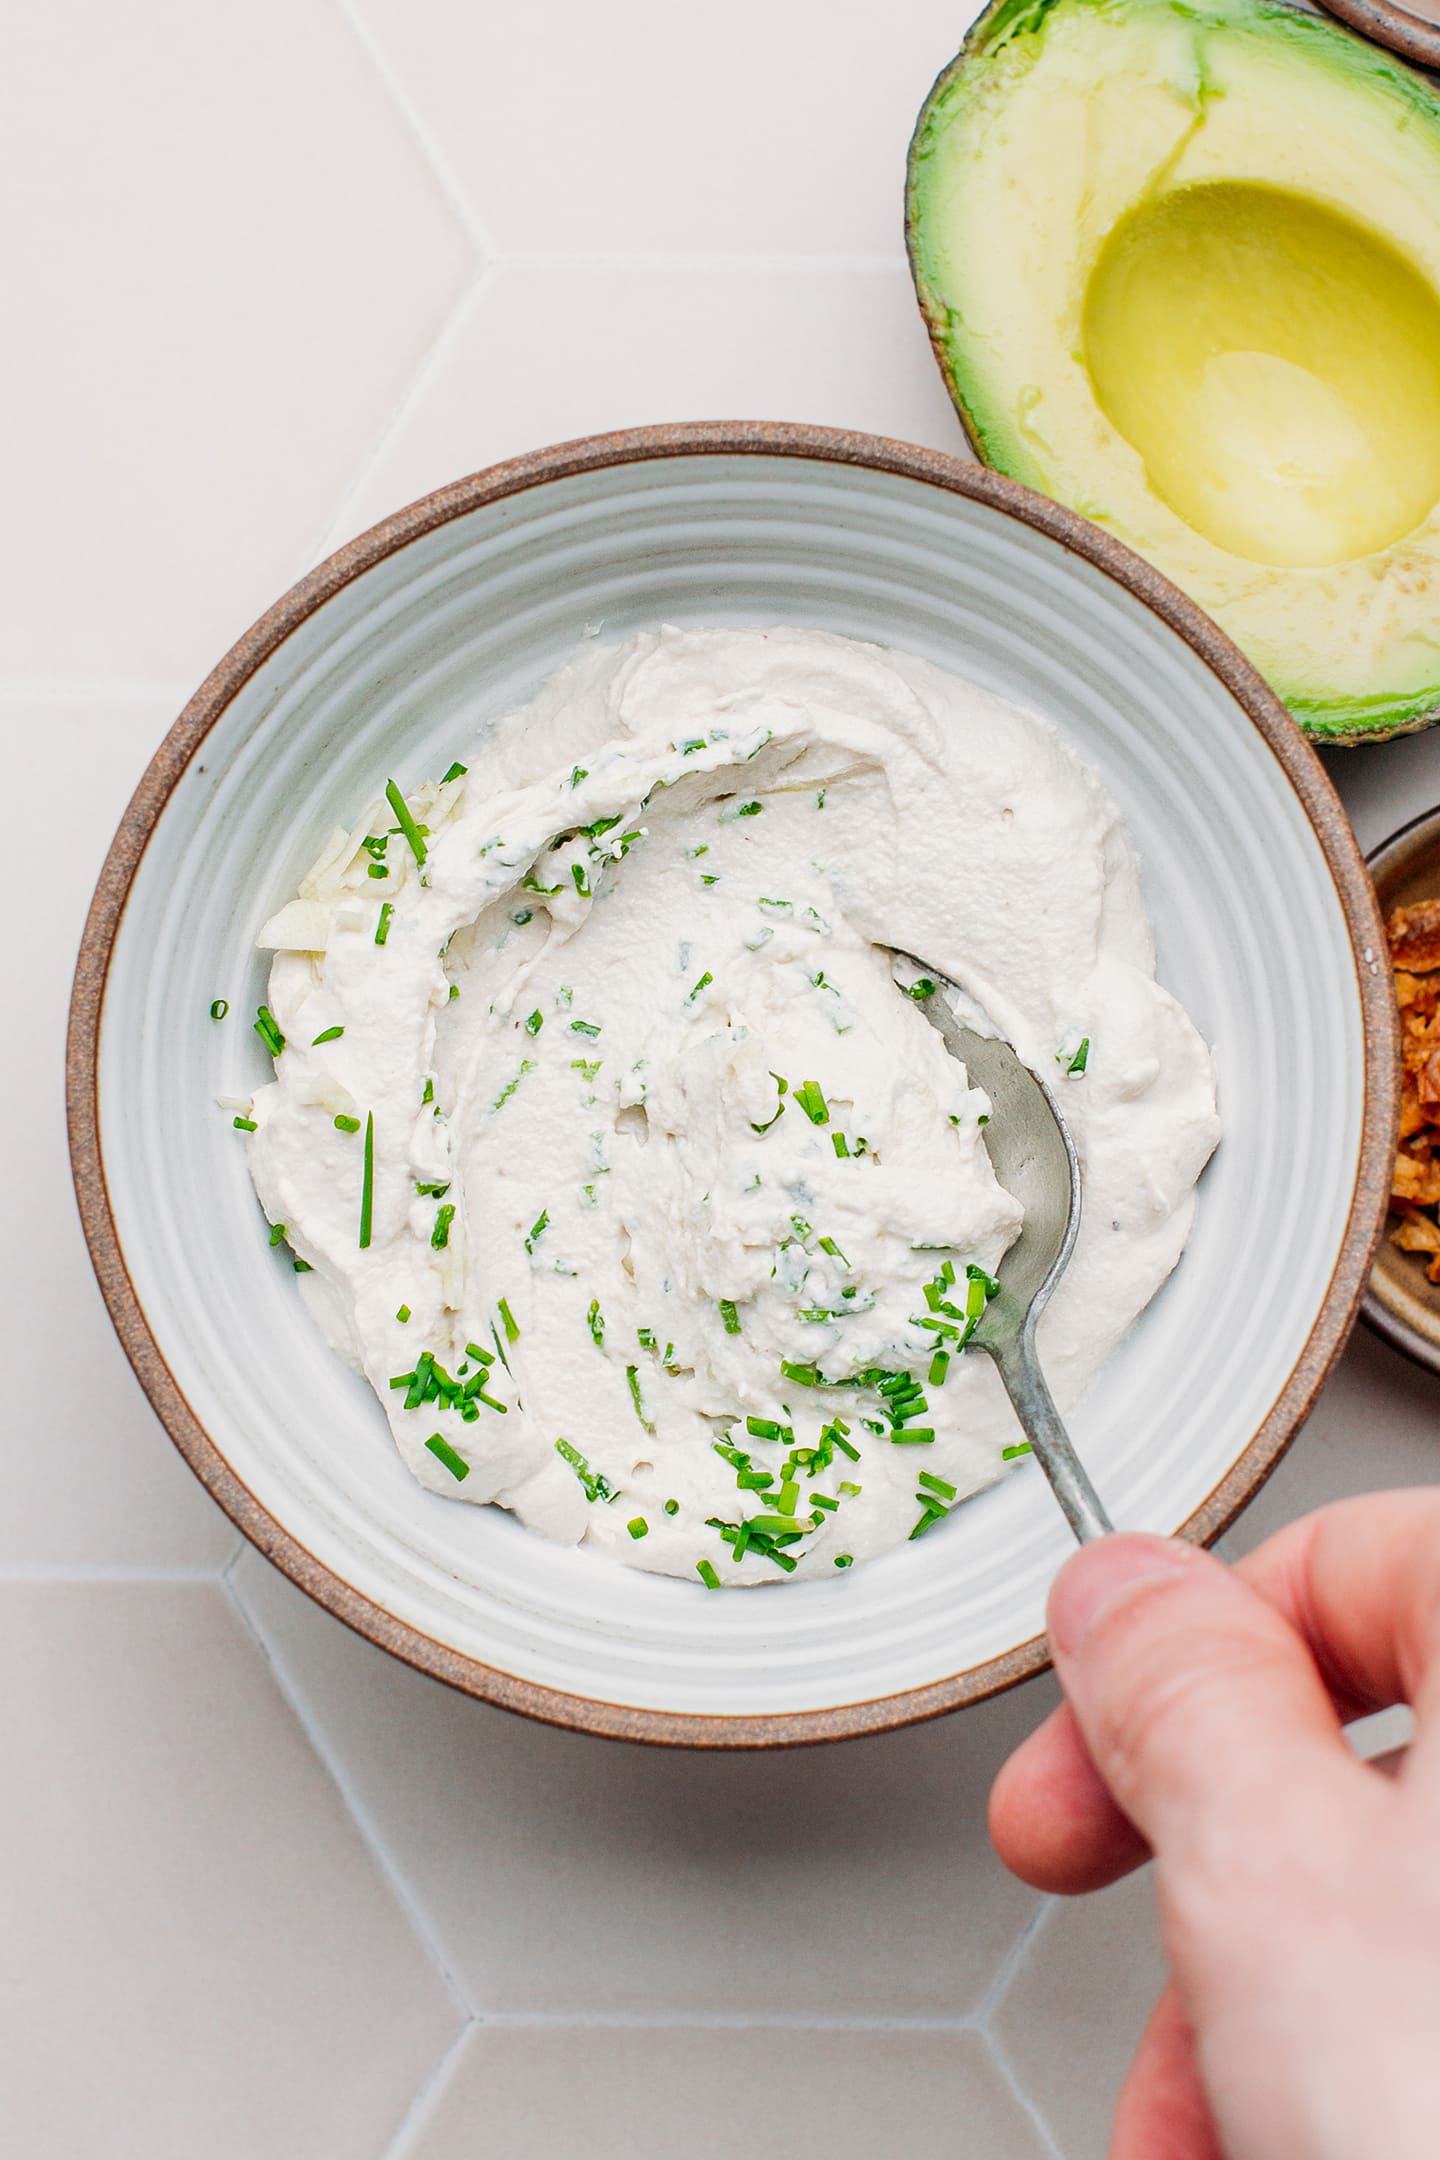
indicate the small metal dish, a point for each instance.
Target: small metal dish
{"x":1401,"y":1303}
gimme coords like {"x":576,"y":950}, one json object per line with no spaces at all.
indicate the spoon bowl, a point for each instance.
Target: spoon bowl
{"x":1034,"y":1158}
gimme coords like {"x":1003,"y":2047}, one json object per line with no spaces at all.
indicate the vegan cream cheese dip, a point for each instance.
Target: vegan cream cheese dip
{"x":619,"y":1161}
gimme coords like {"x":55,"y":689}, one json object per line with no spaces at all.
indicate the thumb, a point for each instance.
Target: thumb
{"x":1199,"y":1704}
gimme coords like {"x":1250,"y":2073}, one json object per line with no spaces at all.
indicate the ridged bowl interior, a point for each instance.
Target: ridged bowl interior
{"x":397,"y":672}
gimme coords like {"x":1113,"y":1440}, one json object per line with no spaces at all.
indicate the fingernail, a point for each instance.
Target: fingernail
{"x":1089,"y":1584}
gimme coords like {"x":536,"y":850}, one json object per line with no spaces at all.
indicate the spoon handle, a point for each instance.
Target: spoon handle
{"x":1045,"y":1430}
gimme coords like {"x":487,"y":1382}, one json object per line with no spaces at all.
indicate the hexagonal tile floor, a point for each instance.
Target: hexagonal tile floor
{"x":267,"y":1892}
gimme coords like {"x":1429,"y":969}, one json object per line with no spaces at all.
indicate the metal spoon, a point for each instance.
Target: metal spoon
{"x":1034,"y":1158}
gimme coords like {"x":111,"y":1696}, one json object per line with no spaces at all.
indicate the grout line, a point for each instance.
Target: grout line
{"x":34,"y":1573}
{"x":865,"y":265}
{"x":93,"y":693}
{"x":1008,"y":1970}
{"x":370,"y":1837}
{"x":340,"y":526}
{"x":1028,"y":2108}
{"x":798,"y":2021}
{"x":441,"y":173}
{"x":426,"y":2093}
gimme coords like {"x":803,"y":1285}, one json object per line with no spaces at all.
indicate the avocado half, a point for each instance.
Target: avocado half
{"x":1181,"y":268}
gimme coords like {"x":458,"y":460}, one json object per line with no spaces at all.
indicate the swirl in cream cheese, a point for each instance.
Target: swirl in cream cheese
{"x":628,"y":1173}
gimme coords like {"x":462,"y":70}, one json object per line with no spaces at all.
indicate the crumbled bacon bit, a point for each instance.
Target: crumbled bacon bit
{"x":1414,"y":937}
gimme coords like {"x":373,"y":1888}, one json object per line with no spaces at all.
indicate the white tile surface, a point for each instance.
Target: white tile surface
{"x":654,"y":2095}
{"x":1069,"y":2024}
{"x":651,"y":128}
{"x":91,"y":1480}
{"x":566,"y":1875}
{"x":199,"y":1958}
{"x":613,"y":347}
{"x":228,"y":258}
{"x":276,"y":269}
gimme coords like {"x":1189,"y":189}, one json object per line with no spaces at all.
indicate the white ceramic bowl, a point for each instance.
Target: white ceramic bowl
{"x":387,"y":659}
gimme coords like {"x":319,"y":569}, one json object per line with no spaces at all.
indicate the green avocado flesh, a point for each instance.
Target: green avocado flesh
{"x":1181,"y":267}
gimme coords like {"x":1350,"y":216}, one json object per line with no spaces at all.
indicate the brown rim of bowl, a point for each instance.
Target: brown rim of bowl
{"x":1393,"y":27}
{"x":636,"y":445}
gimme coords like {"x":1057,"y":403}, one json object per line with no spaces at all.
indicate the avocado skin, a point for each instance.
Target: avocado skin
{"x":1341,"y":722}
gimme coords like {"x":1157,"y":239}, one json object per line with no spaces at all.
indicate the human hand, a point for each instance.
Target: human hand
{"x":1299,"y":1891}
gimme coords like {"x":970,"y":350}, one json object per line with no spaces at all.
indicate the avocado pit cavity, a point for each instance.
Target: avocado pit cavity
{"x":1277,"y":367}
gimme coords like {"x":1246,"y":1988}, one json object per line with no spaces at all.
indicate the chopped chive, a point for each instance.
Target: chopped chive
{"x":912,"y":1435}
{"x":377,"y":869}
{"x":729,"y":1315}
{"x":580,"y":881}
{"x":707,"y":1574}
{"x":1021,"y":1447}
{"x":632,"y":1375}
{"x":267,"y":1028}
{"x":456,"y":772}
{"x":936,"y":1485}
{"x":705,"y":980}
{"x":382,"y":925}
{"x":928,"y":1520}
{"x":367,"y":1187}
{"x":535,"y":1022}
{"x":277,"y":1233}
{"x":707,"y":877}
{"x":303,"y":1267}
{"x":453,"y":994}
{"x":347,"y":1124}
{"x":823,"y":1501}
{"x":521,"y":916}
{"x":978,"y":1275}
{"x":835,"y":1434}
{"x":527,"y":1065}
{"x":597,"y":1323}
{"x":441,"y":1449}
{"x":828,"y":1245}
{"x":434,"y":1192}
{"x":444,"y":1216}
{"x":246,"y":1124}
{"x":784,"y":1087}
{"x":763,"y":1428}
{"x":219,"y":1009}
{"x":1081,"y":1058}
{"x":645,"y":1336}
{"x":329,"y":1035}
{"x":672,"y":1507}
{"x":806,"y":1375}
{"x":537,"y":1229}
{"x":812,"y":1101}
{"x":922,"y":987}
{"x":597,"y":1485}
{"x":405,"y":821}
{"x":939,"y":1366}
{"x":844,"y":1559}
{"x":840,"y":1144}
{"x":788,"y":1497}
{"x":854,"y":1491}
{"x":584,"y":1027}
{"x":507,"y":1320}
{"x":637,"y":1526}
{"x":750,"y":809}
{"x":403,"y":1314}
{"x":428,"y":1093}
{"x":481,"y":1357}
